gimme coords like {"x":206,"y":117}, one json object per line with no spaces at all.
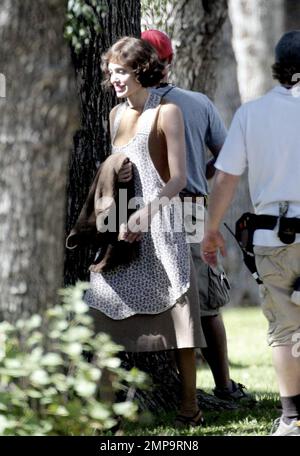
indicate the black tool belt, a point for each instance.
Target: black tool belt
{"x":248,"y":223}
{"x":192,"y":197}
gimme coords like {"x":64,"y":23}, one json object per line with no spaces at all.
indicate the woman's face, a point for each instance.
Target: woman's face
{"x":123,"y":80}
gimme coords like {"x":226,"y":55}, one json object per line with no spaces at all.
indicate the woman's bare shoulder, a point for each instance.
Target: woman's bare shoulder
{"x":169,"y":107}
{"x":169,"y":112}
{"x":114,"y":109}
{"x":113,"y":113}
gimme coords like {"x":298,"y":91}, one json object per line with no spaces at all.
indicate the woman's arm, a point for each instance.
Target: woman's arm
{"x":171,"y":123}
{"x":125,"y":173}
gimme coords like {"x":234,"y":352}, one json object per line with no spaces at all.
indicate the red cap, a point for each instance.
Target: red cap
{"x":160,"y":41}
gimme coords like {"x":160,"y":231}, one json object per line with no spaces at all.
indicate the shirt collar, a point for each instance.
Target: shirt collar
{"x":284,"y":90}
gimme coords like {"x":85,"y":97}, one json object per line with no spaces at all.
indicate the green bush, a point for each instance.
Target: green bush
{"x":47,"y":385}
{"x":83,"y":20}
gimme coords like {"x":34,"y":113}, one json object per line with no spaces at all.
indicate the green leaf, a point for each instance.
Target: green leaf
{"x":80,"y":307}
{"x":40,"y":377}
{"x":94,"y":374}
{"x":127,"y":409}
{"x":85,"y":388}
{"x":34,"y":322}
{"x":4,"y":424}
{"x":56,"y":311}
{"x":78,"y":333}
{"x":34,"y":393}
{"x":74,"y":349}
{"x":98,"y":411}
{"x":3,"y":407}
{"x":112,"y":363}
{"x":52,"y":359}
{"x":59,"y":410}
{"x":34,"y":339}
{"x":6,"y":327}
{"x":60,"y":382}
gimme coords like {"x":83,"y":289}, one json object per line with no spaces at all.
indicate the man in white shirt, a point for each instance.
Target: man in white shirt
{"x":264,"y":136}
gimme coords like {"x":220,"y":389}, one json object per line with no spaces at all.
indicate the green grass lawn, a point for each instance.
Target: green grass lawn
{"x":251,"y":365}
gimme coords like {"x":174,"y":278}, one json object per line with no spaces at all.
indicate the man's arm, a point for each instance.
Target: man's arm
{"x":220,"y":198}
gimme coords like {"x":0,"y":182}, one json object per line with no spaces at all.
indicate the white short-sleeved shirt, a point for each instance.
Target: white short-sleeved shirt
{"x":265,"y":137}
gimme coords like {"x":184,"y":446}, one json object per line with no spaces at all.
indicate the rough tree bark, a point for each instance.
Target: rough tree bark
{"x":256,"y":28}
{"x":226,"y":96}
{"x":197,"y":31}
{"x":227,"y":99}
{"x":291,"y":15}
{"x":37,"y":118}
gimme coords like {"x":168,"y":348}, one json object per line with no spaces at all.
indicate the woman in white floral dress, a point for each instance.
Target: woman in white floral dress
{"x":150,"y":304}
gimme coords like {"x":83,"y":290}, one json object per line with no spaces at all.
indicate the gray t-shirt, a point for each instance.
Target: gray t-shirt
{"x":203,"y":128}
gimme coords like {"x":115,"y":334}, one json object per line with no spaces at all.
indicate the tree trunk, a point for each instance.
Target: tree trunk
{"x":197,"y":32}
{"x":38,"y":116}
{"x":291,"y":15}
{"x":92,"y":141}
{"x":256,"y":28}
{"x":196,"y":51}
{"x":226,"y":96}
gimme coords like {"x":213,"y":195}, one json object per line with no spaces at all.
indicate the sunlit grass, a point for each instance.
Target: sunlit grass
{"x":250,"y":364}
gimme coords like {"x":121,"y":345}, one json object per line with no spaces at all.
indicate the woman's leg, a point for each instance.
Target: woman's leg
{"x":186,"y":362}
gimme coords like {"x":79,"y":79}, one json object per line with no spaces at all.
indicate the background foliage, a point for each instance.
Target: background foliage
{"x":82,"y":22}
{"x":47,"y":385}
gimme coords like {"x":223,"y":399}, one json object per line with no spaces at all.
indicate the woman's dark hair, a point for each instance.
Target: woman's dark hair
{"x":287,"y":73}
{"x":138,"y":55}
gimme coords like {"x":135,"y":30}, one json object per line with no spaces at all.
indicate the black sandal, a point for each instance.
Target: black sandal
{"x":190,"y":421}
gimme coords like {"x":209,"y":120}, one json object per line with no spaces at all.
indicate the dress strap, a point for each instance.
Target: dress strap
{"x":117,"y":119}
{"x":149,"y":113}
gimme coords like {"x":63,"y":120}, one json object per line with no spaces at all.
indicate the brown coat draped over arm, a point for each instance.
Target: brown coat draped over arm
{"x":99,"y":220}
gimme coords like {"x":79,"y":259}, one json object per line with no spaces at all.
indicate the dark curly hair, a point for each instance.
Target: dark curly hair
{"x":138,"y":55}
{"x":286,"y":72}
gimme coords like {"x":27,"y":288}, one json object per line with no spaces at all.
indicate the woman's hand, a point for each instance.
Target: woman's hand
{"x":125,"y":173}
{"x":138,"y":223}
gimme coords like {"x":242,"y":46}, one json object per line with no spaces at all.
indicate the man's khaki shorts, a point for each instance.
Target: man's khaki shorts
{"x":278,"y":268}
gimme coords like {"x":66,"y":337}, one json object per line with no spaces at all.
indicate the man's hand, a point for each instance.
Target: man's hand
{"x":212,"y":242}
{"x":125,"y":173}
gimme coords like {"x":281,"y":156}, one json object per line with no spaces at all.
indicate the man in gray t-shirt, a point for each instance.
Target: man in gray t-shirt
{"x":203,"y":128}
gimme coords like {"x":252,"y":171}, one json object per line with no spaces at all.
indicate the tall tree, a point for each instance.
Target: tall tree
{"x":196,"y":31}
{"x":291,"y":15}
{"x":256,"y":27}
{"x":100,"y":24}
{"x":227,"y":99}
{"x":37,"y":118}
